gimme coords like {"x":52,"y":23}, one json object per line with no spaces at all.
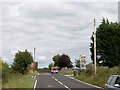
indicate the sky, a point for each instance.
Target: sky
{"x":57,"y":27}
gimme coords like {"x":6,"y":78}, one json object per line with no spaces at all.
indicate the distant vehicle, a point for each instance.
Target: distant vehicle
{"x":113,"y":83}
{"x":54,"y":70}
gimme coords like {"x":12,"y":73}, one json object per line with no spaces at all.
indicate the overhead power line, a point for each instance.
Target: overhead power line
{"x":70,"y":38}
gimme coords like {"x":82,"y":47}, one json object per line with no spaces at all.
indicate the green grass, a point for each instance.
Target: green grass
{"x":102,"y":75}
{"x":43,"y":70}
{"x":10,"y":79}
{"x":16,"y":80}
{"x":0,"y":74}
{"x":66,"y":71}
{"x":101,"y":78}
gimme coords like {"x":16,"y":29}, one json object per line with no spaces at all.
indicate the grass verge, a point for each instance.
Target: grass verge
{"x":101,"y":78}
{"x":16,"y":80}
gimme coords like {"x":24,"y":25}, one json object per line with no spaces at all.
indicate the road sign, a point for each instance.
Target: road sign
{"x":83,"y":62}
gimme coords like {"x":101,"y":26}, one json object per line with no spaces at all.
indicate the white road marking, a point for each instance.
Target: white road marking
{"x":60,"y":83}
{"x":35,"y":84}
{"x":85,"y":83}
{"x":49,"y":85}
{"x":67,"y":87}
{"x":55,"y":79}
{"x":34,"y":78}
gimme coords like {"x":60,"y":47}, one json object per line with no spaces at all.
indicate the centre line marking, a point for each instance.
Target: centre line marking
{"x":60,"y":83}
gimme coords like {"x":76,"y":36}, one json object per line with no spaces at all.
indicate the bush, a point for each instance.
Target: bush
{"x":5,"y":70}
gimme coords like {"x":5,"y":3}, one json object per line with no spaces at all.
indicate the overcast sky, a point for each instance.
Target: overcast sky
{"x":51,"y":28}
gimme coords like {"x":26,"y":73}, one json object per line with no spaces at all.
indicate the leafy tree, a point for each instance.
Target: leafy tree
{"x":56,"y":59}
{"x":77,"y":63}
{"x":50,"y":66}
{"x":21,"y":61}
{"x":62,"y":61}
{"x":108,"y":44}
{"x":92,"y":48}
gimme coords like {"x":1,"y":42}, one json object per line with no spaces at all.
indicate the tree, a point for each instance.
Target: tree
{"x":108,"y":42}
{"x":21,"y":61}
{"x":92,"y":48}
{"x":56,"y":59}
{"x":62,"y":61}
{"x":50,"y":66}
{"x":77,"y":63}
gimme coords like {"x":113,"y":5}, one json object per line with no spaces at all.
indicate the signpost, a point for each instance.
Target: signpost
{"x":83,"y":62}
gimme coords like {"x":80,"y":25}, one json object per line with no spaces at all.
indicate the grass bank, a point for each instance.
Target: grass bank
{"x":66,"y":71}
{"x":16,"y":80}
{"x":102,"y":75}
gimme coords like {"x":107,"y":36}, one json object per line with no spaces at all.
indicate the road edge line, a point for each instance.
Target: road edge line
{"x":35,"y":84}
{"x":85,"y":83}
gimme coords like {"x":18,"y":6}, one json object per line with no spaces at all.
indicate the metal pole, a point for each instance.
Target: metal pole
{"x":94,"y":48}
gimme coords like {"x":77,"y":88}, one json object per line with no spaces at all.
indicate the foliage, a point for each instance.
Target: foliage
{"x":50,"y":66}
{"x":77,"y":63}
{"x":9,"y":78}
{"x":66,"y":71}
{"x":62,"y":61}
{"x":102,"y":75}
{"x":21,"y":61}
{"x":25,"y":81}
{"x":43,"y":70}
{"x":5,"y":70}
{"x":108,"y":42}
{"x":56,"y":59}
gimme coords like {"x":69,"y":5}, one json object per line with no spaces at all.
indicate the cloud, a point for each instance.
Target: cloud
{"x":51,"y":27}
{"x":42,"y":57}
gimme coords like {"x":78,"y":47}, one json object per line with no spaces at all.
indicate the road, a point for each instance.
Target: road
{"x":56,"y":82}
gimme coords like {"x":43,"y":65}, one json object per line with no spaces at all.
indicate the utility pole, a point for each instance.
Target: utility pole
{"x":119,"y":12}
{"x":94,"y":48}
{"x":34,"y":55}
